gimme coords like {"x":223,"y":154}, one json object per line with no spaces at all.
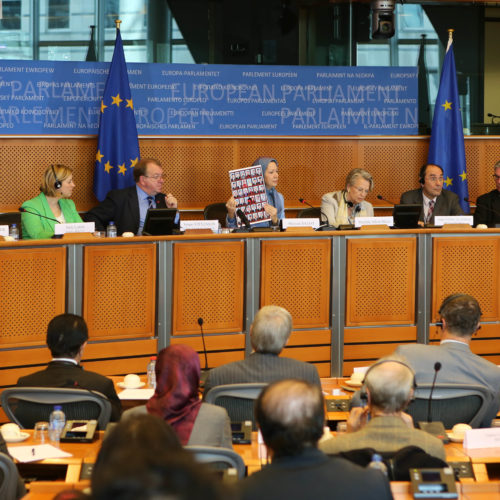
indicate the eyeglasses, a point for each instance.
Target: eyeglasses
{"x":156,"y":177}
{"x":497,"y":177}
{"x":361,"y":190}
{"x":435,"y":178}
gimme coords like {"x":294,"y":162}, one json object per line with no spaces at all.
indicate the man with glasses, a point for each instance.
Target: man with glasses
{"x":460,"y":316}
{"x":431,"y":196}
{"x":128,"y":207}
{"x":488,"y":205}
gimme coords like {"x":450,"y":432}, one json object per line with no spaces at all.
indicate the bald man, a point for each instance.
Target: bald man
{"x":290,"y":415}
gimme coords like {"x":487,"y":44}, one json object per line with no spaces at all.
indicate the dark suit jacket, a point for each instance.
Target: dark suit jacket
{"x":66,"y":374}
{"x":447,"y":203}
{"x":21,"y":490}
{"x":314,"y":475}
{"x":260,"y":367}
{"x":488,"y":209}
{"x":122,"y":207}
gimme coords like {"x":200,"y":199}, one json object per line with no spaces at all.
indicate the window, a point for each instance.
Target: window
{"x":11,"y":15}
{"x":58,"y":14}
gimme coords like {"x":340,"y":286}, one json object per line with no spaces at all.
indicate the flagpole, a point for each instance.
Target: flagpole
{"x":450,"y":38}
{"x":118,"y":22}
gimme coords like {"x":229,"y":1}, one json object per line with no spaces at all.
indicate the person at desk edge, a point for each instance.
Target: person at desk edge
{"x":53,"y":202}
{"x":276,"y":206}
{"x":342,"y":207}
{"x":431,"y":196}
{"x":488,"y":204}
{"x":128,"y":207}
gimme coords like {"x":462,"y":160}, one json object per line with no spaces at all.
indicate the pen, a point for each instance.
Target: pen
{"x":33,"y":451}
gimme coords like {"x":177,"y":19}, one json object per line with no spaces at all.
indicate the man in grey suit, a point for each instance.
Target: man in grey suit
{"x":460,"y":315}
{"x":433,"y":199}
{"x":269,"y":333}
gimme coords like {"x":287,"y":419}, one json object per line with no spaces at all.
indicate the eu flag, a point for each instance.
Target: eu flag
{"x":446,"y":148}
{"x":117,"y":145}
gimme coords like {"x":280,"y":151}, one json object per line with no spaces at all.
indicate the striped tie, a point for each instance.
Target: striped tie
{"x":430,"y":211}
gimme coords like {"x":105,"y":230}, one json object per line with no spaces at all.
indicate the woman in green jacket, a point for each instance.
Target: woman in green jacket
{"x":53,"y":202}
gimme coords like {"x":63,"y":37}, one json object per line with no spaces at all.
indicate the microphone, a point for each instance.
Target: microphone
{"x":21,"y":209}
{"x":323,"y":224}
{"x":200,"y":322}
{"x":380,"y":197}
{"x":492,"y":116}
{"x":243,"y":219}
{"x":437,"y":367}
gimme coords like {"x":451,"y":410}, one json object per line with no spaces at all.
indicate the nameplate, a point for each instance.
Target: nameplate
{"x":213,"y":225}
{"x":482,"y":438}
{"x":298,"y":222}
{"x":374,"y":221}
{"x":4,"y":230}
{"x":441,"y":220}
{"x":74,"y":227}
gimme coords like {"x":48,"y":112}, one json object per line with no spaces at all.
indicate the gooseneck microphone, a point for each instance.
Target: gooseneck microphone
{"x":437,"y":367}
{"x":243,"y":218}
{"x":200,"y":322}
{"x":380,"y":197}
{"x":322,"y":223}
{"x":21,"y":209}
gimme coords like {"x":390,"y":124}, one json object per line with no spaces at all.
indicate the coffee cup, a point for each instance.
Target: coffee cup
{"x":10,"y":431}
{"x":131,"y":381}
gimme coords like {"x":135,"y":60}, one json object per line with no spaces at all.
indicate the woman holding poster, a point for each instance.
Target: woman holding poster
{"x":52,"y":205}
{"x":342,"y":207}
{"x":275,"y":206}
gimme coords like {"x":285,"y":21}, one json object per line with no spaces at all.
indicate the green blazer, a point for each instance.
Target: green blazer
{"x":38,"y":228}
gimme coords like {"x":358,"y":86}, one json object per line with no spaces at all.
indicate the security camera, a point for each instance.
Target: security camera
{"x":382,"y":18}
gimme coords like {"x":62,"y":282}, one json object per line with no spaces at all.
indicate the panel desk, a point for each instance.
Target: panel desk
{"x":353,"y":295}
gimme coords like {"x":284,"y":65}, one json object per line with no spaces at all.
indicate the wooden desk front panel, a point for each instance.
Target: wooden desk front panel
{"x":119,"y":290}
{"x":32,"y":292}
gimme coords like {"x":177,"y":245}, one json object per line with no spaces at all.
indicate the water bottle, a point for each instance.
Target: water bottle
{"x":57,"y":421}
{"x":111,"y":231}
{"x":151,"y":372}
{"x":14,"y":232}
{"x":377,"y":463}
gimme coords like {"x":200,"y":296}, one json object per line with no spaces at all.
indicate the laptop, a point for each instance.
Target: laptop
{"x":160,"y":222}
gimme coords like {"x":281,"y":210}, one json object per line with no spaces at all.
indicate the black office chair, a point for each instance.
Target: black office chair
{"x":8,"y":478}
{"x":237,"y":399}
{"x":309,"y":213}
{"x":219,"y":458}
{"x":8,"y":218}
{"x":216,"y":211}
{"x":27,"y":405}
{"x":451,"y":404}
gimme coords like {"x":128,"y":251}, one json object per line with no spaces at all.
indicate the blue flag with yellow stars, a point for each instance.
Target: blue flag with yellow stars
{"x":117,"y":144}
{"x":446,"y":148}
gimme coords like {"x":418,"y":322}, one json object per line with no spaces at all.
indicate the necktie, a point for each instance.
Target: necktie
{"x":430,"y":210}
{"x":150,"y":202}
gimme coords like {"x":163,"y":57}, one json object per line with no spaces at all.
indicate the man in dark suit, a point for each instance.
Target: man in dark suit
{"x":460,"y":317}
{"x":67,"y":336}
{"x":291,"y":418}
{"x":433,"y":199}
{"x":269,"y":333}
{"x":488,"y":205}
{"x":128,"y":207}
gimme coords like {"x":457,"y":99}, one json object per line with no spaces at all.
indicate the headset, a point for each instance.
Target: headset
{"x":57,"y":183}
{"x":423,"y":168}
{"x":363,"y":394}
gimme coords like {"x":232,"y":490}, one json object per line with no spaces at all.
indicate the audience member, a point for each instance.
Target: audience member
{"x":431,"y":196}
{"x":342,"y":207}
{"x":269,"y":333}
{"x":53,"y":202}
{"x":128,"y":207}
{"x":21,"y":490}
{"x":275,"y":207}
{"x":176,"y":400}
{"x":290,"y":415}
{"x":142,"y":459}
{"x":460,"y":319}
{"x":382,"y":424}
{"x":67,"y":336}
{"x":488,"y":205}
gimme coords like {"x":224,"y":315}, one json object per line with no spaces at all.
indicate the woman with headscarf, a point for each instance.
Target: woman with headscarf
{"x":275,"y":207}
{"x":176,"y":400}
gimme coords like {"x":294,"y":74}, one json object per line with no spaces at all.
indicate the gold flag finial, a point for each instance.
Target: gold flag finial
{"x":450,"y":35}
{"x":117,"y":22}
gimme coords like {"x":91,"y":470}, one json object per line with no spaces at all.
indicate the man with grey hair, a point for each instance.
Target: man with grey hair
{"x":291,"y":417}
{"x":488,"y":204}
{"x":382,"y":424}
{"x":269,"y":333}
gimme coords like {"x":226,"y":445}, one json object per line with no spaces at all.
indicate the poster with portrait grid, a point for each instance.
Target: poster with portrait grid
{"x":249,"y":192}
